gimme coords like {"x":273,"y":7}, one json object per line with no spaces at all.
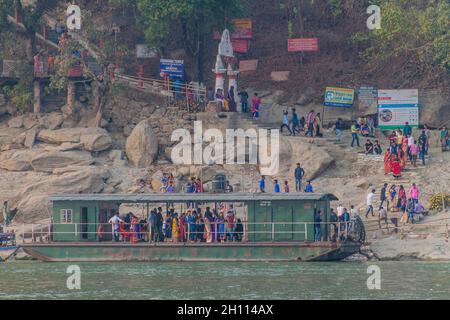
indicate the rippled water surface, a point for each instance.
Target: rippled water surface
{"x":329,"y":280}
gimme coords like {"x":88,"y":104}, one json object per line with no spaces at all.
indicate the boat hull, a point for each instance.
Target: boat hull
{"x":289,"y":251}
{"x":6,"y":252}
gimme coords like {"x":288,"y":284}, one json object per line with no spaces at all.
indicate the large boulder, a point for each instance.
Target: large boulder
{"x":16,"y":122}
{"x":87,"y":119}
{"x":30,"y":137}
{"x":93,"y":139}
{"x":97,"y":141}
{"x":15,"y":165}
{"x":314,"y":160}
{"x":48,"y":161}
{"x":18,"y":160}
{"x":142,"y":145}
{"x":32,"y":202}
{"x":434,"y":110}
{"x":53,"y":120}
{"x":155,"y":180}
{"x":60,"y":135}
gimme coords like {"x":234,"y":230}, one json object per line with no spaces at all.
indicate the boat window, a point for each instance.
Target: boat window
{"x":66,"y":215}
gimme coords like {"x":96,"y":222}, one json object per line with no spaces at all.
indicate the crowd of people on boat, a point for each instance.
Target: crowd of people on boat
{"x":191,"y":225}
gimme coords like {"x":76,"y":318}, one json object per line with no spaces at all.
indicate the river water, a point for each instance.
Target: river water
{"x":325,"y":280}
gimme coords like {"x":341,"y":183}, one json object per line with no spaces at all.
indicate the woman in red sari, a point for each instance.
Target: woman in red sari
{"x":134,"y":235}
{"x":124,"y":233}
{"x":387,"y":162}
{"x":396,"y":168}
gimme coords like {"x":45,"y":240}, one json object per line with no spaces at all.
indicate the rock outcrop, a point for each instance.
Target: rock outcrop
{"x":142,"y":145}
{"x":48,"y":161}
{"x":33,"y":200}
{"x":93,"y":139}
{"x":18,"y":160}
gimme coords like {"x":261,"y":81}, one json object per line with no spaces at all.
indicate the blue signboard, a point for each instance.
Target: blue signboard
{"x":173,"y":68}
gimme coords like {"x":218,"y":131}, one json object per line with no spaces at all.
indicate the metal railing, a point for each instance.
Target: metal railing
{"x":192,"y":232}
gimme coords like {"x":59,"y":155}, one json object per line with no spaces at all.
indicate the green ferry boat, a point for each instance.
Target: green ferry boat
{"x":274,"y":227}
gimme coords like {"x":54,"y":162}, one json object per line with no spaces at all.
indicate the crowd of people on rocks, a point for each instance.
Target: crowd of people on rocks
{"x":364,"y":126}
{"x":228,"y":101}
{"x":404,"y":147}
{"x":396,"y":199}
{"x":190,"y":225}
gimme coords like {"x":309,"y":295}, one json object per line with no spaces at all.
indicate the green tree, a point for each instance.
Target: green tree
{"x":31,"y":22}
{"x":417,"y":30}
{"x":195,"y":18}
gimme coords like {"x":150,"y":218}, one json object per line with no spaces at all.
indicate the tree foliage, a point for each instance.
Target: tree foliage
{"x":195,"y":18}
{"x":416,"y":29}
{"x":31,"y":21}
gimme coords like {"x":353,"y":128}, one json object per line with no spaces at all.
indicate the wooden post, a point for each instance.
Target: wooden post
{"x":17,"y":16}
{"x":37,"y":96}
{"x":141,"y":75}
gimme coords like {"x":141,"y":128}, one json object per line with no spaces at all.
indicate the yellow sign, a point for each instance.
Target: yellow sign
{"x":242,"y":23}
{"x":339,"y":97}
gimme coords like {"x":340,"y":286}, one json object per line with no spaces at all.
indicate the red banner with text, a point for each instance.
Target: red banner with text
{"x":303,"y":44}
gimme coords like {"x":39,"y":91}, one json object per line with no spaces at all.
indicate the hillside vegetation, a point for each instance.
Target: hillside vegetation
{"x":410,"y":50}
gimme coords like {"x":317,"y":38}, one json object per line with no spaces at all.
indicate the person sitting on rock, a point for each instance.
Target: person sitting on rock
{"x":377,"y":148}
{"x":368,"y":147}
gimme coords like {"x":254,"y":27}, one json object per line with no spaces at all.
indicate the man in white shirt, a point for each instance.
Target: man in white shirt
{"x":339,"y":210}
{"x":353,"y":212}
{"x":410,"y":143}
{"x":382,"y":216}
{"x":370,"y":198}
{"x":115,"y":221}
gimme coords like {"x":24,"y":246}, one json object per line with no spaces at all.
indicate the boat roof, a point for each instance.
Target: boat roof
{"x":182,"y":197}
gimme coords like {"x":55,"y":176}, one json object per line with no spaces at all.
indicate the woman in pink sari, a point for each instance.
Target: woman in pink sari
{"x":182,"y":224}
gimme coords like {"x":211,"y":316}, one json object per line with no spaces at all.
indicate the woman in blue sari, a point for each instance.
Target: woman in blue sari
{"x":192,"y":219}
{"x":213,"y":221}
{"x":221,"y":228}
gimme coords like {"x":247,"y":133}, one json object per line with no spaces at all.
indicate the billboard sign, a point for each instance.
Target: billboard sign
{"x":303,"y":44}
{"x":248,"y":65}
{"x":240,"y":45}
{"x":395,"y":107}
{"x":172,"y":68}
{"x":242,"y":29}
{"x":339,"y":97}
{"x":367,"y":97}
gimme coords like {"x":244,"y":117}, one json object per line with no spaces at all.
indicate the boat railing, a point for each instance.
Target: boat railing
{"x":7,"y":239}
{"x":193,"y":232}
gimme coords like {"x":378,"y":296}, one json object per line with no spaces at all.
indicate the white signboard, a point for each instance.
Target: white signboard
{"x":396,"y":107}
{"x":143,"y":51}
